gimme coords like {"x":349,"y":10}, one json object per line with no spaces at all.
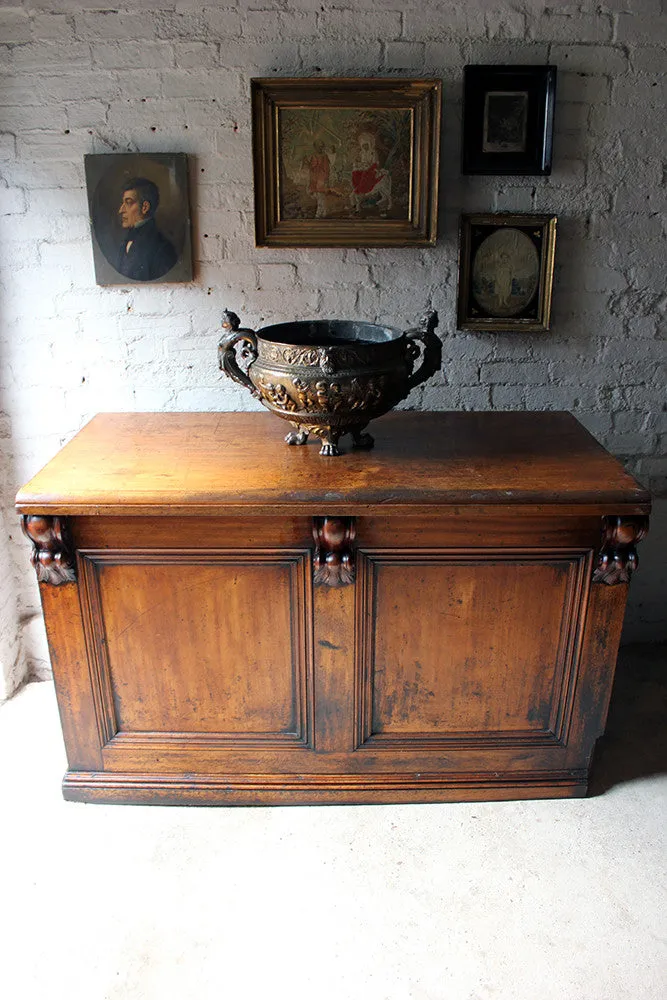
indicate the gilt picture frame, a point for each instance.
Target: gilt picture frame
{"x":506,"y":267}
{"x":346,"y":162}
{"x":508,"y":117}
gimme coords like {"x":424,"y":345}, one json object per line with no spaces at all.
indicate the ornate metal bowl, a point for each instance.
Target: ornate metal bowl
{"x":329,"y":377}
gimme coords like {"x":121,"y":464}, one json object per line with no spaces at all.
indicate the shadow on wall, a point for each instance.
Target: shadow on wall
{"x":13,"y":666}
{"x":635,"y":742}
{"x":645,"y":613}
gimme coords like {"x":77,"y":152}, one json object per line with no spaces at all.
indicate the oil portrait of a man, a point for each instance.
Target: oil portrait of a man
{"x":139,"y":218}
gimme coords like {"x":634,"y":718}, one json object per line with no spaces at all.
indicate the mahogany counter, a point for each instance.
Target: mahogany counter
{"x":232,"y":620}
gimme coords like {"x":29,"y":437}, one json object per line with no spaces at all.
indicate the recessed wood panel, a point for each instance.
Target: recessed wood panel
{"x":456,"y":650}
{"x":211,"y":646}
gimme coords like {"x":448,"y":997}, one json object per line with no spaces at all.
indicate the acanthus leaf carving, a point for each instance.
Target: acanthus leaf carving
{"x":333,"y":559}
{"x":52,"y":551}
{"x":617,"y":559}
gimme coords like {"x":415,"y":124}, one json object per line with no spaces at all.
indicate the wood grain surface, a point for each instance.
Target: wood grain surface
{"x":183,"y":463}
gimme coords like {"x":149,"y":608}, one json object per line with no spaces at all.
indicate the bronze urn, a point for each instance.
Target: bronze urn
{"x":329,"y":377}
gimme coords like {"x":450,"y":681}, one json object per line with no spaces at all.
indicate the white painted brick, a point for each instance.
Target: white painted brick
{"x":648,"y":59}
{"x":321,"y":55}
{"x":502,"y":372}
{"x":52,"y":28}
{"x":586,"y":88}
{"x":599,"y":59}
{"x":21,"y":116}
{"x":338,"y":301}
{"x":631,"y":422}
{"x":630,"y":198}
{"x":69,"y":227}
{"x":505,"y":24}
{"x":12,"y":201}
{"x":196,"y":55}
{"x":571,"y":118}
{"x":559,"y":397}
{"x":170,"y":24}
{"x":446,"y":22}
{"x":78,"y":86}
{"x":508,"y":397}
{"x":86,"y":114}
{"x":276,"y":277}
{"x":513,"y":200}
{"x":14,"y":26}
{"x":644,"y":90}
{"x":49,"y":146}
{"x":641,"y":29}
{"x":474,"y":398}
{"x":219,"y":83}
{"x":7,"y":146}
{"x":554,"y":26}
{"x":600,"y":279}
{"x":259,"y":59}
{"x":43,"y":57}
{"x":404,"y":55}
{"x":268,"y":25}
{"x":443,"y":58}
{"x":59,"y":200}
{"x":334,"y":272}
{"x":108,"y":25}
{"x":43,"y":174}
{"x":355,"y":24}
{"x":222,"y":25}
{"x":130,"y":55}
{"x":633,"y":444}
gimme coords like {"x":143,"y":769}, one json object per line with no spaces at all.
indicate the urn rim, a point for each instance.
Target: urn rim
{"x":329,"y":333}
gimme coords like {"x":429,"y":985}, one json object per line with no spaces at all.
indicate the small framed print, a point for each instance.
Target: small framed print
{"x":346,"y":162}
{"x":139,"y":217}
{"x":508,"y":114}
{"x":506,"y":266}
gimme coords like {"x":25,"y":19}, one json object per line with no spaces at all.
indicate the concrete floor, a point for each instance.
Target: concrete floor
{"x":491,"y":901}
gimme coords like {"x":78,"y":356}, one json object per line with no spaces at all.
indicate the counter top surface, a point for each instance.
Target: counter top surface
{"x":187,"y":462}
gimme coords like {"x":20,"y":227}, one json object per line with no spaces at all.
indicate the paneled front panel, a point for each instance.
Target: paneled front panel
{"x":196,"y":647}
{"x":472,"y":651}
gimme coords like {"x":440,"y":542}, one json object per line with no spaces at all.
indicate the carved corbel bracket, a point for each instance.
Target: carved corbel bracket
{"x":333,"y":560}
{"x":617,"y":559}
{"x":52,"y":553}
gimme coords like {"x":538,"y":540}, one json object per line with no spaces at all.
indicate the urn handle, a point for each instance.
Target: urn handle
{"x":432,"y":349}
{"x":233,"y":335}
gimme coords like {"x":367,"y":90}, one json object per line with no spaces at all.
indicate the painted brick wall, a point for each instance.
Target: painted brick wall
{"x":75,"y":79}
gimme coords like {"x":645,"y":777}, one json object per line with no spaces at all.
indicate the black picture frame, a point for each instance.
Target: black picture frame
{"x":506,"y":269}
{"x":161,"y":251}
{"x":508,"y":116}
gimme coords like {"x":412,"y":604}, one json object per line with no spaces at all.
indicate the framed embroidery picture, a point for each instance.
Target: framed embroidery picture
{"x":508,"y":115}
{"x":139,"y":217}
{"x":346,"y":162}
{"x":506,"y":266}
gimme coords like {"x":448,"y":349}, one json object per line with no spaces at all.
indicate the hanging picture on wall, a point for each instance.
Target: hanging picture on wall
{"x":139,"y":217}
{"x":506,"y":265}
{"x":508,"y":114}
{"x":346,"y":162}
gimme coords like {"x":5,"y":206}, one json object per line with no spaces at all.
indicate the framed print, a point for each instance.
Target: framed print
{"x":506,"y":266}
{"x":508,"y":116}
{"x":139,"y":217}
{"x":346,"y":163}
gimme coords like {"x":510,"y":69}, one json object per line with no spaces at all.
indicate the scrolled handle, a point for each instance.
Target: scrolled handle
{"x":432,"y":349}
{"x":227,"y":361}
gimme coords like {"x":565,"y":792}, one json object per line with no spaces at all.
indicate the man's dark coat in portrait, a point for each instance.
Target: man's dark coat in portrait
{"x":150,"y":254}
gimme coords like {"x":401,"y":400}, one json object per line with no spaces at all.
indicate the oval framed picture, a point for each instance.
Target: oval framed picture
{"x":139,"y":217}
{"x":506,"y":265}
